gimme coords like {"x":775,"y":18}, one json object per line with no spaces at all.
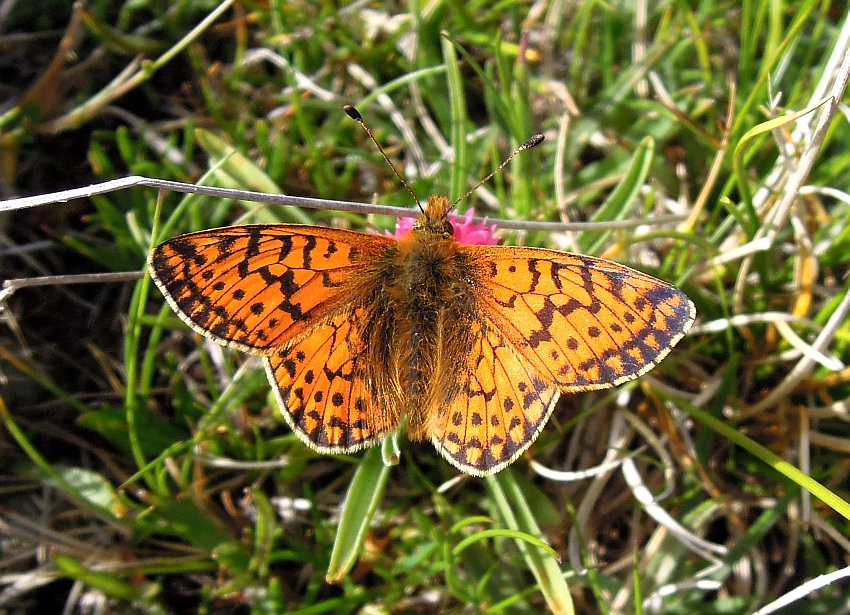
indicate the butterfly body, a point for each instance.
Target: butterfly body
{"x":472,"y":344}
{"x":423,"y":306}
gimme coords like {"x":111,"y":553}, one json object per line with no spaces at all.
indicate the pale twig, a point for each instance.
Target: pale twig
{"x":806,"y":364}
{"x":305,"y":202}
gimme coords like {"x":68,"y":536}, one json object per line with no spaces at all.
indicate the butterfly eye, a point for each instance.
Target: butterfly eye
{"x":448,"y":229}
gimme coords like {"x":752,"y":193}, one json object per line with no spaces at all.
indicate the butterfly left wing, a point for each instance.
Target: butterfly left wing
{"x":584,"y":323}
{"x":293,"y":294}
{"x":256,"y":287}
{"x":320,"y":385}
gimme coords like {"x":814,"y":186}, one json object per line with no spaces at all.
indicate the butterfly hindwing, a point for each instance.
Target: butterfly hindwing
{"x":321,"y":390}
{"x":583,"y":322}
{"x":255,"y":287}
{"x":500,"y":406}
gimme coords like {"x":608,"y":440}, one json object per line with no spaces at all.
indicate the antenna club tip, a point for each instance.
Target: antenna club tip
{"x":533,"y":141}
{"x":353,"y":113}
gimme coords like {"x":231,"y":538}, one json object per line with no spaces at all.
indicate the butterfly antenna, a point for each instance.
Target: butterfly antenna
{"x":533,"y":141}
{"x":354,"y":114}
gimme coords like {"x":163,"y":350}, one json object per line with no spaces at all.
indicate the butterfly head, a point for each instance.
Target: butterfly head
{"x":435,"y":221}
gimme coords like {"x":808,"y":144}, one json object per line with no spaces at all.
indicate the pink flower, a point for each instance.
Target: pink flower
{"x":466,"y":229}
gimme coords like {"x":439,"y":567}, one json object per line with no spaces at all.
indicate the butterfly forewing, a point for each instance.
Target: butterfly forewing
{"x":256,"y":287}
{"x":584,"y":323}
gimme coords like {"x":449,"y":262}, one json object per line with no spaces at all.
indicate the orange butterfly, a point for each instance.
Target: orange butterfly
{"x":472,"y":344}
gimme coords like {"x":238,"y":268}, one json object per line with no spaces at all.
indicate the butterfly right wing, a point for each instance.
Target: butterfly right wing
{"x":256,"y":287}
{"x":585,"y":323}
{"x":499,"y":405}
{"x":546,"y":322}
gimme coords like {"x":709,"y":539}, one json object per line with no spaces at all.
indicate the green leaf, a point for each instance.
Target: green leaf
{"x":618,"y":205}
{"x":107,"y":582}
{"x":517,"y":516}
{"x":361,"y":503}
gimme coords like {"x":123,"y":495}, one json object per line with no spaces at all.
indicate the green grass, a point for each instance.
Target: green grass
{"x":147,"y":470}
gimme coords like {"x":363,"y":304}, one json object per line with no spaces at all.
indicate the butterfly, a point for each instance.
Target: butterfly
{"x":470,"y":345}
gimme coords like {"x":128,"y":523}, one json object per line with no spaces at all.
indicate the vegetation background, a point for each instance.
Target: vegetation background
{"x":146,"y":470}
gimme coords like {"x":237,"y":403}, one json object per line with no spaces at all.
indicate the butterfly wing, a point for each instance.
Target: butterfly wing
{"x":290,"y":293}
{"x":320,"y":385}
{"x":583,"y":322}
{"x":500,"y":406}
{"x":549,"y":322}
{"x":256,"y":287}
